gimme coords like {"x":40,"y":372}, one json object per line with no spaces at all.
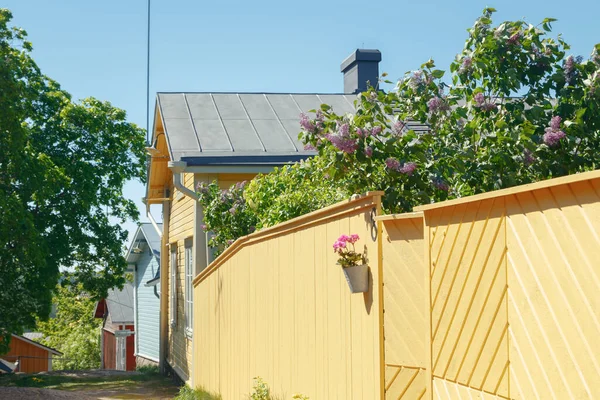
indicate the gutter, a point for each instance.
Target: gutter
{"x":151,"y":217}
{"x":177,"y":167}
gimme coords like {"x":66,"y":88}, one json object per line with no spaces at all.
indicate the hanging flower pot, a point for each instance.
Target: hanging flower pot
{"x":353,"y":264}
{"x":357,"y":277}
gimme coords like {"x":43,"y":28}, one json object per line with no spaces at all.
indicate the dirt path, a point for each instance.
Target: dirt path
{"x":96,"y":384}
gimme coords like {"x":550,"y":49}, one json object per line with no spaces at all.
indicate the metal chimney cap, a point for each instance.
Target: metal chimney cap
{"x":369,"y":55}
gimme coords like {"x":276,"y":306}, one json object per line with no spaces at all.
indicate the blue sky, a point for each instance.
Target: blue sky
{"x":98,"y":48}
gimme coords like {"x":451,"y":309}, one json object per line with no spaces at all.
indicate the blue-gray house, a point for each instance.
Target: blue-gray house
{"x":144,"y":255}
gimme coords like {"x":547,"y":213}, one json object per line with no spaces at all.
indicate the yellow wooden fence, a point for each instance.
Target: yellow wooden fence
{"x":276,"y":305}
{"x":494,"y":296}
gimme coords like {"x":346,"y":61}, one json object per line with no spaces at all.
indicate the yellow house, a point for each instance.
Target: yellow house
{"x":206,"y":137}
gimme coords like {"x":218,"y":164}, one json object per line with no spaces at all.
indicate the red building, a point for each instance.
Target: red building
{"x":30,"y":356}
{"x":117,"y":340}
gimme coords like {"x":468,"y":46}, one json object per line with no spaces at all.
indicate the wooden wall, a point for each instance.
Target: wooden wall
{"x":110,"y":350}
{"x":405,"y":303}
{"x":276,"y":305}
{"x":515,"y":292}
{"x":32,"y":358}
{"x":181,"y":227}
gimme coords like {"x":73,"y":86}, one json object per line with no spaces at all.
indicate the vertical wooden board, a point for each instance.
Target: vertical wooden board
{"x":286,"y":310}
{"x":530,"y":335}
{"x":549,"y":274}
{"x":359,"y":347}
{"x":274,"y":273}
{"x":322,"y":269}
{"x":406,"y":309}
{"x":336,"y":331}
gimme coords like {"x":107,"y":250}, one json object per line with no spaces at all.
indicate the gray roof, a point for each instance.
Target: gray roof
{"x":242,"y":128}
{"x":33,"y":335}
{"x":145,"y":234}
{"x":120,"y":304}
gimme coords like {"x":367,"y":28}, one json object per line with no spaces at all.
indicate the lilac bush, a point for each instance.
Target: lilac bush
{"x":516,"y":108}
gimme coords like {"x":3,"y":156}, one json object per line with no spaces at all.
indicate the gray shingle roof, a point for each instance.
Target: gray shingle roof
{"x":120,"y":304}
{"x":242,"y":128}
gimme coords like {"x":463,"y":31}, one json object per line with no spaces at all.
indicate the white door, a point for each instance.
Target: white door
{"x":121,"y":353}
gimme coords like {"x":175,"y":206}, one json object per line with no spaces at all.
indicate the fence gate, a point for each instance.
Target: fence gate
{"x":404,"y":302}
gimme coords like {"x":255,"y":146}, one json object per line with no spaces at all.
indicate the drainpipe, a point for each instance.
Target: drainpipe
{"x":177,"y":167}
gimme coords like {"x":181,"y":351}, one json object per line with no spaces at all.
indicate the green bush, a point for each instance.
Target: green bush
{"x":187,"y":393}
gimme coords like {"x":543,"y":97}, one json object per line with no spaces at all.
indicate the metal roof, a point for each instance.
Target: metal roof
{"x":240,"y":128}
{"x":243,"y":128}
{"x":120,"y":304}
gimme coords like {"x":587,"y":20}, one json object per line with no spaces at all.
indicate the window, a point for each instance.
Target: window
{"x":189,"y":289}
{"x":173,"y":270}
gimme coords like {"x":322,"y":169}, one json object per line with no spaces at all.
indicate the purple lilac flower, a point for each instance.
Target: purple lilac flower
{"x":360,"y":133}
{"x":466,"y":64}
{"x":398,"y":128}
{"x":346,"y":145}
{"x":479,"y":99}
{"x":306,"y":123}
{"x":376,"y":130}
{"x":392,"y":163}
{"x":553,"y":133}
{"x":528,"y":157}
{"x":568,"y":68}
{"x":408,"y":168}
{"x":232,"y":210}
{"x":342,"y":140}
{"x":551,"y":139}
{"x":309,"y":147}
{"x":416,"y":79}
{"x":368,"y":151}
{"x":480,"y":102}
{"x":437,"y":104}
{"x":204,"y":227}
{"x":440,"y":184}
{"x":230,"y":242}
{"x":515,"y":38}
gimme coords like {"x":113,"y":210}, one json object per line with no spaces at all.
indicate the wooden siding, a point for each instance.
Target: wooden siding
{"x":276,"y":305}
{"x":515,"y":292}
{"x":32,"y":358}
{"x":406,"y":311}
{"x":110,"y":350}
{"x":147,"y":308}
{"x":181,"y":227}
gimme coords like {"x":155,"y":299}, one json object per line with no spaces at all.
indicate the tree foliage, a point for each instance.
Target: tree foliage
{"x":516,"y":109}
{"x":74,"y":331}
{"x":63,"y":164}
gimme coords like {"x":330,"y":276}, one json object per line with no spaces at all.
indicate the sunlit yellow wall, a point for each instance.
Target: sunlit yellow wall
{"x":276,"y":305}
{"x":181,"y":227}
{"x":405,"y":304}
{"x":515,"y":292}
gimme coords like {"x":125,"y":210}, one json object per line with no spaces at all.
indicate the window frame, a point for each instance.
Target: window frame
{"x":173,"y":283}
{"x":189,"y":288}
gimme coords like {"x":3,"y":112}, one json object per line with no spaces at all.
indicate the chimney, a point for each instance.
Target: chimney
{"x":360,"y":67}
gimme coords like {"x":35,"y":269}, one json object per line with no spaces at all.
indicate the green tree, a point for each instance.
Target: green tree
{"x":63,"y":164}
{"x":515,"y":109}
{"x":74,"y":331}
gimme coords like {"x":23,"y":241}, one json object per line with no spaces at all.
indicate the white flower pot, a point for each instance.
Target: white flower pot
{"x":357,"y":278}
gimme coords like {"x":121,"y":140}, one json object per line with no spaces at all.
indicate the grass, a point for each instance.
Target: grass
{"x":143,"y":384}
{"x":187,"y":393}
